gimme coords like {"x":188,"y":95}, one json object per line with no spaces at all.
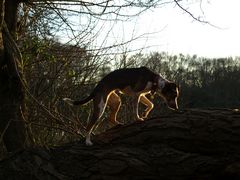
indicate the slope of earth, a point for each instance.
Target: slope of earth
{"x":194,"y":144}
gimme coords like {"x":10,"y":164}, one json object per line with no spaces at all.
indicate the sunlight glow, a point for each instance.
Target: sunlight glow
{"x":183,"y":35}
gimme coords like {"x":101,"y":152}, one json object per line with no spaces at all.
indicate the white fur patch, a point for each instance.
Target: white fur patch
{"x":161,"y":83}
{"x":88,"y":140}
{"x":101,"y":105}
{"x":149,"y":85}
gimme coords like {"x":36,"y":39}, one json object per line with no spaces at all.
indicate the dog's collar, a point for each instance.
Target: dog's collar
{"x":158,"y":84}
{"x":161,"y":84}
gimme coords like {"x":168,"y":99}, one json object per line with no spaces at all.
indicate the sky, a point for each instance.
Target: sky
{"x":176,"y":32}
{"x":169,"y":29}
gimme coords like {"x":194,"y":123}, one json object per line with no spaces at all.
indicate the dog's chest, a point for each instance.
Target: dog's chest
{"x":129,"y":91}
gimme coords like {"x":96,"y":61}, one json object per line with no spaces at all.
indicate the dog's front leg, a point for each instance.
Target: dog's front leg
{"x":136,"y":100}
{"x":144,"y":100}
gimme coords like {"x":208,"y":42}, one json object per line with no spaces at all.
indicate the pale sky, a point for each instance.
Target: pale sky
{"x":179,"y":33}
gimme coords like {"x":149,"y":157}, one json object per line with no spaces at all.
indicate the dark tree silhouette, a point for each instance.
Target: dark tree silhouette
{"x":194,"y":144}
{"x":11,"y":87}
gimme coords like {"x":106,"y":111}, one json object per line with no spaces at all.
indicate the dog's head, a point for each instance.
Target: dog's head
{"x":170,"y":93}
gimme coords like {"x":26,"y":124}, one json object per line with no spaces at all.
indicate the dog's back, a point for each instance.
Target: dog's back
{"x":136,"y":78}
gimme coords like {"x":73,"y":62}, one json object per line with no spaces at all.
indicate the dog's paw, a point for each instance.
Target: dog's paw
{"x":139,"y":119}
{"x":88,"y":142}
{"x":117,"y":123}
{"x":144,"y":115}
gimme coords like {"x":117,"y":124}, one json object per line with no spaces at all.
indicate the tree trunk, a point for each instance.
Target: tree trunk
{"x":11,"y":88}
{"x":195,"y":144}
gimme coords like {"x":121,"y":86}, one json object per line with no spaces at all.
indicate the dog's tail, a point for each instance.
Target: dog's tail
{"x":78,"y":102}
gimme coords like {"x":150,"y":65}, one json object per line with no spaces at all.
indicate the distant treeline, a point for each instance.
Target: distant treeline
{"x":204,"y":82}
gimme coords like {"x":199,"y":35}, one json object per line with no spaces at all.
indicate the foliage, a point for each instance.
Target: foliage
{"x":53,"y":71}
{"x":59,"y":71}
{"x":45,"y":70}
{"x":204,"y":82}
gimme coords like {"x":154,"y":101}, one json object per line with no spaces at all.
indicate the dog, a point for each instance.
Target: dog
{"x":135,"y":82}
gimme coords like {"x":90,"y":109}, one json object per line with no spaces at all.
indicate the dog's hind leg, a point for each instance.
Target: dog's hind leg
{"x":114,"y":103}
{"x":99,"y":104}
{"x":144,"y":100}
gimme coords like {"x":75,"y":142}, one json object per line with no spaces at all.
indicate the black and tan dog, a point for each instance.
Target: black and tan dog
{"x":136,"y":82}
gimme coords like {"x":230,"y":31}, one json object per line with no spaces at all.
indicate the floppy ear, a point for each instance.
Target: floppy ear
{"x":174,"y":87}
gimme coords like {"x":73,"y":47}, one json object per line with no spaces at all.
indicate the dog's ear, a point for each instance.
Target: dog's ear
{"x":172,"y":85}
{"x":168,"y":86}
